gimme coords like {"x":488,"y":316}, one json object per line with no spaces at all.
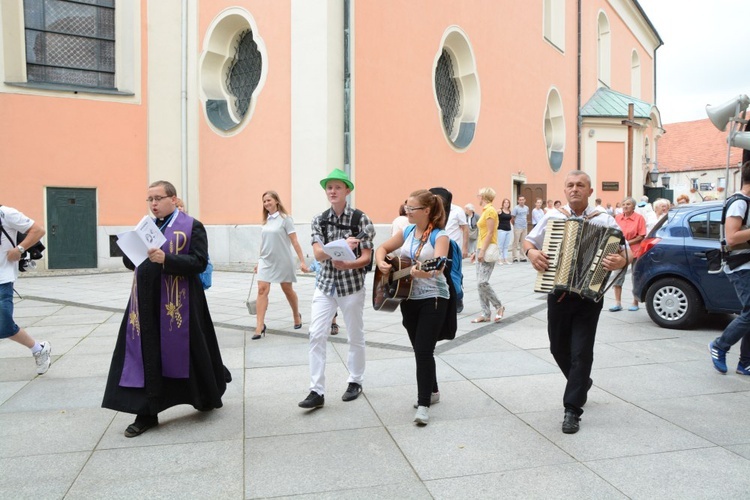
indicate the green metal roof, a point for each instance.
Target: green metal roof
{"x":606,"y":103}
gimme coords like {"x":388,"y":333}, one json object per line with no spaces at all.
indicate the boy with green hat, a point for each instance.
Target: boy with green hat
{"x":341,"y":284}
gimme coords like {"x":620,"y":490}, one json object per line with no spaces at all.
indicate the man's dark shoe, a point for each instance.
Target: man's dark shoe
{"x":141,"y":425}
{"x":352,"y":392}
{"x":313,"y":400}
{"x":570,"y":423}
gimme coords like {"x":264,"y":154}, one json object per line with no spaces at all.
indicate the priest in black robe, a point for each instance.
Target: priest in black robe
{"x":167,"y":353}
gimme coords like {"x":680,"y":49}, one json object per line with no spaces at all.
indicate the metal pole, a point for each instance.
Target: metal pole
{"x":631,"y":115}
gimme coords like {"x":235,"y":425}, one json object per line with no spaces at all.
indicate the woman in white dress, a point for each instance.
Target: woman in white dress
{"x":276,"y":264}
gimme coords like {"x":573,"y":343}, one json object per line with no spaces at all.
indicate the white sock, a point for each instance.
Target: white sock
{"x":37,"y":347}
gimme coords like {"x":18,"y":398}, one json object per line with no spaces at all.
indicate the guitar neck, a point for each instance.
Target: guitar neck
{"x":401,"y":273}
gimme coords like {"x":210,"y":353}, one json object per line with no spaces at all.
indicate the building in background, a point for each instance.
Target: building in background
{"x":694,"y":154}
{"x":230,"y":99}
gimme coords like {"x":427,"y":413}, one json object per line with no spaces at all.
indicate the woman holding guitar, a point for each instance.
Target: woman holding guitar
{"x":424,"y":311}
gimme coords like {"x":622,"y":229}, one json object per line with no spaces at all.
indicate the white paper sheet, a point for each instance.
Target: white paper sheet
{"x":136,"y":243}
{"x":149,"y":233}
{"x":339,"y":250}
{"x":132,"y":246}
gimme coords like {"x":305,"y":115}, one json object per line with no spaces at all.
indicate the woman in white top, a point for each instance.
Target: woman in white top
{"x":276,"y":264}
{"x":427,"y":306}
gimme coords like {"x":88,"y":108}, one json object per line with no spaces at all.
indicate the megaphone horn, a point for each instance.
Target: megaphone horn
{"x":722,"y":113}
{"x":740,"y":140}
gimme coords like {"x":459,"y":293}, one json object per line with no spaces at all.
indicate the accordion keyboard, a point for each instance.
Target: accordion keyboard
{"x":576,"y":248}
{"x":553,"y":239}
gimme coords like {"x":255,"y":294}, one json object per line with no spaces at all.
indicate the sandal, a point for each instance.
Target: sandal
{"x":334,"y":329}
{"x":139,"y":427}
{"x":499,"y":314}
{"x":480,"y":319}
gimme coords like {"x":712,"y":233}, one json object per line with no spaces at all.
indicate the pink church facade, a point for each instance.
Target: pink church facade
{"x":229,"y":100}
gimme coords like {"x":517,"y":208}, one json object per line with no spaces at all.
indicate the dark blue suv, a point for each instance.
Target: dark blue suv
{"x":671,"y":276}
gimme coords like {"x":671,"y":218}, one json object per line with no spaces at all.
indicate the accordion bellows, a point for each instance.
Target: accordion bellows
{"x":575,"y":248}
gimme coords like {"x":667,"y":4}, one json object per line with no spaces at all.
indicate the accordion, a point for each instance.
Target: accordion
{"x":575,"y":248}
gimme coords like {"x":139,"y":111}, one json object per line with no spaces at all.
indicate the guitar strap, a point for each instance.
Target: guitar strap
{"x":422,"y":240}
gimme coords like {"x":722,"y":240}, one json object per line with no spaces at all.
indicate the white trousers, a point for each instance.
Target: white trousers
{"x":323,"y":309}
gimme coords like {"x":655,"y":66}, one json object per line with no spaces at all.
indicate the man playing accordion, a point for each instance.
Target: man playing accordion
{"x":571,"y":318}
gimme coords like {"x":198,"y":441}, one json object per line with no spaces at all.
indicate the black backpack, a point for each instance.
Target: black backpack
{"x":722,"y":256}
{"x":32,"y":253}
{"x":354,"y":228}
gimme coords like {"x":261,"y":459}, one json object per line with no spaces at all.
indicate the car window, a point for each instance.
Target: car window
{"x":706,"y":226}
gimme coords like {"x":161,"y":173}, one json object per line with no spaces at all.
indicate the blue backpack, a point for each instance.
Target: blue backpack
{"x":454,"y":264}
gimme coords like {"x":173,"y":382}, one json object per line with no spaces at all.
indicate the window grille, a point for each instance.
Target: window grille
{"x":447,"y":91}
{"x":70,"y":42}
{"x":244,"y":72}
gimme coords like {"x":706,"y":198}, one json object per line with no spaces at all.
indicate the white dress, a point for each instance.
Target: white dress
{"x":276,"y":264}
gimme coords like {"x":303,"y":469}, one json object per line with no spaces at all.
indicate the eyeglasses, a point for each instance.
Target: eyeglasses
{"x":157,"y":199}
{"x":412,"y":209}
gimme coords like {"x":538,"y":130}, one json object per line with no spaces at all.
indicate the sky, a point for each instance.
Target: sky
{"x":703,"y":59}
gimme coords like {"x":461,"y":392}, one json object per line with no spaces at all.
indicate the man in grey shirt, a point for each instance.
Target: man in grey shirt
{"x":519,"y":219}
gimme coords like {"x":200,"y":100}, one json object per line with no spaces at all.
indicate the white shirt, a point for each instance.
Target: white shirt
{"x":425,"y":288}
{"x":536,"y":215}
{"x":536,"y":236}
{"x":737,"y":209}
{"x":647,"y":211}
{"x":13,"y":222}
{"x":456,"y":219}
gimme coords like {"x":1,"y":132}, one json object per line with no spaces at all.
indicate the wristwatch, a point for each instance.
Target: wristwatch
{"x":21,"y":249}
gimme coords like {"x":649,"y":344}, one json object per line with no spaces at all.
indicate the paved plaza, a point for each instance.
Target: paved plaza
{"x":660,"y":422}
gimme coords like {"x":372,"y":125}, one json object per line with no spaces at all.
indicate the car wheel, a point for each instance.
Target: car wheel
{"x":673,"y":303}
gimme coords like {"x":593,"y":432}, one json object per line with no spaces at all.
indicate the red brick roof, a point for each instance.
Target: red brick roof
{"x":695,"y":145}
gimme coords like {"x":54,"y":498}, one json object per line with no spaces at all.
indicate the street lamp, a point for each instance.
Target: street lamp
{"x":654,"y":175}
{"x":665,"y":180}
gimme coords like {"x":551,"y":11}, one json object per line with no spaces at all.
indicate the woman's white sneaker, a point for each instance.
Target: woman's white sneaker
{"x":422,"y":416}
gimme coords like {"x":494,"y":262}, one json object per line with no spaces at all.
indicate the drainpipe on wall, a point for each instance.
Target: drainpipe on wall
{"x":183,"y":104}
{"x":580,"y":119}
{"x":347,"y":89}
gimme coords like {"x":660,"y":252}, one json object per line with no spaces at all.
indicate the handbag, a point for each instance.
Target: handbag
{"x":473,"y":228}
{"x":252,"y":305}
{"x":492,"y":253}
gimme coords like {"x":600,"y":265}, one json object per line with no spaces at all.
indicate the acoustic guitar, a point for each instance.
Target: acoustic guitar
{"x":389,"y":290}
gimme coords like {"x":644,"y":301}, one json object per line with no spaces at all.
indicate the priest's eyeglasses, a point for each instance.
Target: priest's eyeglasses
{"x":157,"y":199}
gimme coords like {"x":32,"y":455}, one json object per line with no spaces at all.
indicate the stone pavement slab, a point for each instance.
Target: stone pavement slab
{"x":704,"y":473}
{"x":571,"y":480}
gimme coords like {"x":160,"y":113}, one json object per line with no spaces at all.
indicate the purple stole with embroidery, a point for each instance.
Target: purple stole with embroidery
{"x":174,"y":314}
